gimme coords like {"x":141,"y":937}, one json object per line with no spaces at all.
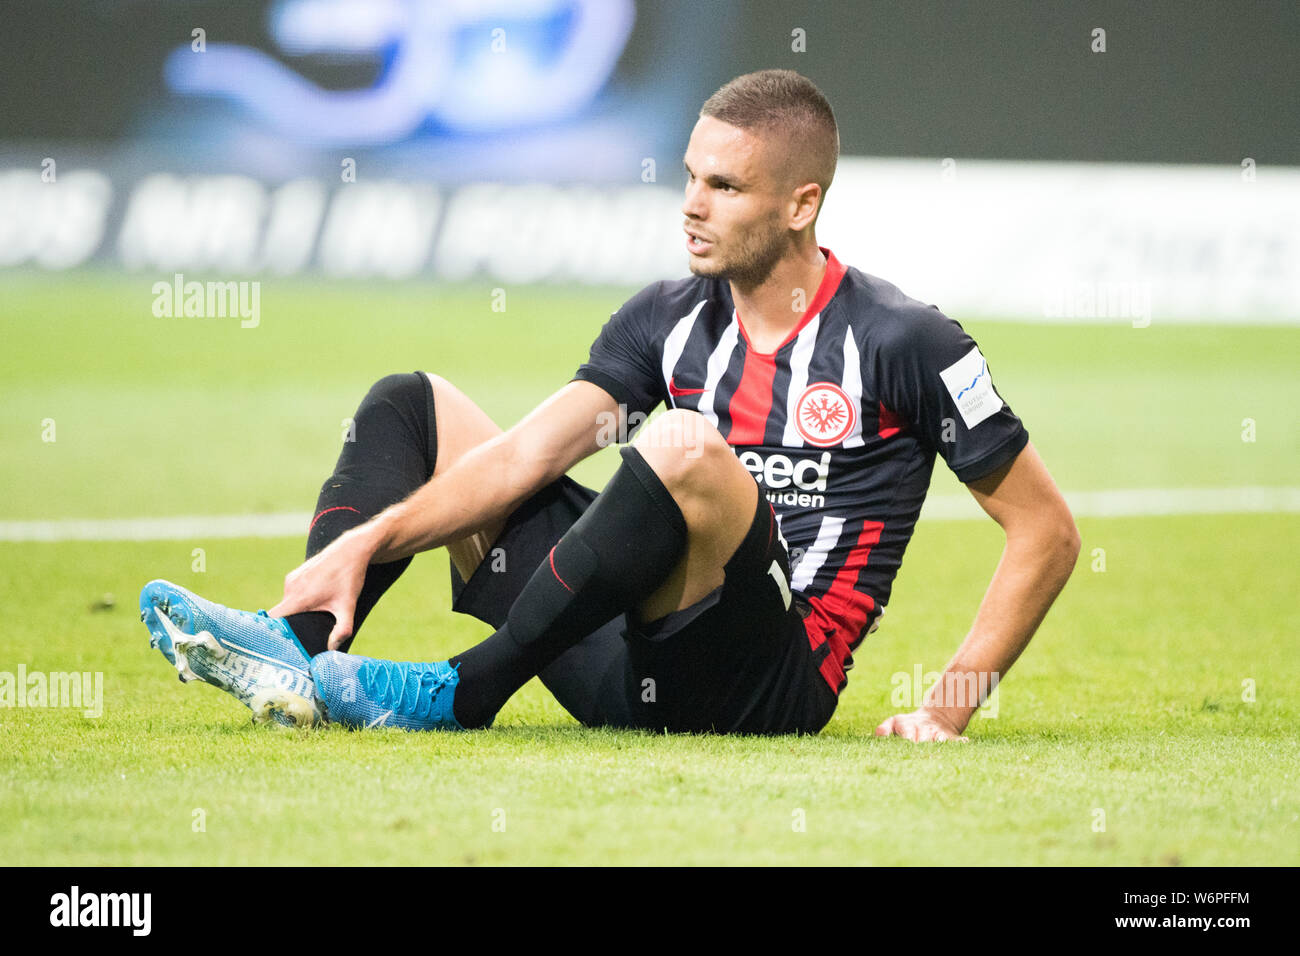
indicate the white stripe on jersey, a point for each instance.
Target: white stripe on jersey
{"x":853,"y":387}
{"x":800,"y":356}
{"x":717,"y":367}
{"x":827,"y":536}
{"x":676,"y":343}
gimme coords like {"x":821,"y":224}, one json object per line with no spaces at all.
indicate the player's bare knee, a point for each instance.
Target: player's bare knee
{"x":442,"y":389}
{"x":440,"y":385}
{"x":683,"y":447}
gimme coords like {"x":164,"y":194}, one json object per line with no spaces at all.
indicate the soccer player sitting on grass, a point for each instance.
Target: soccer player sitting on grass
{"x":669,"y":600}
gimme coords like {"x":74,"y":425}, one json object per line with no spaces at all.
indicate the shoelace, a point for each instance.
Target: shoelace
{"x":416,"y":686}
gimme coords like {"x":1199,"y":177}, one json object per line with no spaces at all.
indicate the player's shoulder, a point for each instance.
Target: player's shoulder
{"x":670,"y":299}
{"x":888,"y":319}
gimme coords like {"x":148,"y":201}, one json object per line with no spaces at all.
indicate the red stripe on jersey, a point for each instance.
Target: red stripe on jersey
{"x":890,"y":423}
{"x":839,"y":615}
{"x":752,"y":402}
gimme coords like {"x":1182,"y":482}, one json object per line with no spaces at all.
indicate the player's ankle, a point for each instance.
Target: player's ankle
{"x":471,"y":714}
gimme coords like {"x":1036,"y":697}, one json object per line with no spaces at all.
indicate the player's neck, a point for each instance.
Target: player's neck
{"x":771,"y":309}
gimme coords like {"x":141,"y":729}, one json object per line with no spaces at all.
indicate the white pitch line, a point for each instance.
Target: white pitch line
{"x":1138,"y":502}
{"x":180,"y":528}
{"x":1141,"y":502}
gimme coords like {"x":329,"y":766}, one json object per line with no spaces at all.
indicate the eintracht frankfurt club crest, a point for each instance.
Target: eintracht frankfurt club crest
{"x":824,"y":415}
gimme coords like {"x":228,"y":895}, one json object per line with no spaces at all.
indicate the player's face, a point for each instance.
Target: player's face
{"x":735,"y":204}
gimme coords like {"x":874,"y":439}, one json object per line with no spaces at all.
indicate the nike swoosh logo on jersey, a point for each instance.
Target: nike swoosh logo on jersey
{"x":675,"y":390}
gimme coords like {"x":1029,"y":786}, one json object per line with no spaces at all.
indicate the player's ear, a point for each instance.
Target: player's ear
{"x":805,"y":201}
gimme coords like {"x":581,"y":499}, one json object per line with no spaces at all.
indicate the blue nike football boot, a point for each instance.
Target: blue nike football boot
{"x":254,"y":657}
{"x":367,"y":692}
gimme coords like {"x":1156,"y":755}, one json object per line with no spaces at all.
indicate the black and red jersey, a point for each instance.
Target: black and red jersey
{"x":839,"y":426}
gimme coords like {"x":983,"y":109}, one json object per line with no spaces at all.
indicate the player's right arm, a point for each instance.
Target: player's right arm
{"x":621,"y":376}
{"x":482,"y":487}
{"x":488,"y":482}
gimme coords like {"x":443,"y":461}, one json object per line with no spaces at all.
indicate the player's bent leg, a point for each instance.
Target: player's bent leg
{"x":716,"y":495}
{"x":392,"y":449}
{"x":620,"y":553}
{"x":407,"y":429}
{"x":587,"y":680}
{"x":721,"y":646}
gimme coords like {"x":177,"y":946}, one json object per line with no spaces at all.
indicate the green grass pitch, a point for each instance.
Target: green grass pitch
{"x":1153,"y":720}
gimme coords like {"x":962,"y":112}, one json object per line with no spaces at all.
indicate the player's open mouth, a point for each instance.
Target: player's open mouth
{"x":696,"y":245}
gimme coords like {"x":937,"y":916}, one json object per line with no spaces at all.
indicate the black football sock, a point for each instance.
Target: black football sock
{"x":390,"y":451}
{"x":615,"y":556}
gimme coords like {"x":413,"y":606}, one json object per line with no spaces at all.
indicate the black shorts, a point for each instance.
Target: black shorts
{"x":738,"y":661}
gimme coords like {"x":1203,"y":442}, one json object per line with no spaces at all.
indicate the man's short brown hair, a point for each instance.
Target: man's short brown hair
{"x":790,"y":105}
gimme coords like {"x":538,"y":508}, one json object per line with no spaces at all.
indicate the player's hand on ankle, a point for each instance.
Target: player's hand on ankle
{"x":330,"y":581}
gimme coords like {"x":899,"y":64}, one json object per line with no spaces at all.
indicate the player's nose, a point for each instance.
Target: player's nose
{"x":693,"y":206}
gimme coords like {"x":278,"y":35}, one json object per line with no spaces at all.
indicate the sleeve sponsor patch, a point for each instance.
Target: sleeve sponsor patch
{"x":971,"y":387}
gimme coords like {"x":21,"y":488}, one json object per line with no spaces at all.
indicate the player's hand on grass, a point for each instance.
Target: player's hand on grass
{"x":329,"y":581}
{"x":920,"y":725}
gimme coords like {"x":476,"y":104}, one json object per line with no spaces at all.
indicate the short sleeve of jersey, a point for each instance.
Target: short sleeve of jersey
{"x":934,"y":375}
{"x":624,"y":358}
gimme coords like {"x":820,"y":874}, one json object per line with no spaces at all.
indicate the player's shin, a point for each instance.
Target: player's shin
{"x":389,"y":450}
{"x":616,"y":555}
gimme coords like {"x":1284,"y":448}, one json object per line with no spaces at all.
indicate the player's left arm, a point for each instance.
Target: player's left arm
{"x":1042,"y":545}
